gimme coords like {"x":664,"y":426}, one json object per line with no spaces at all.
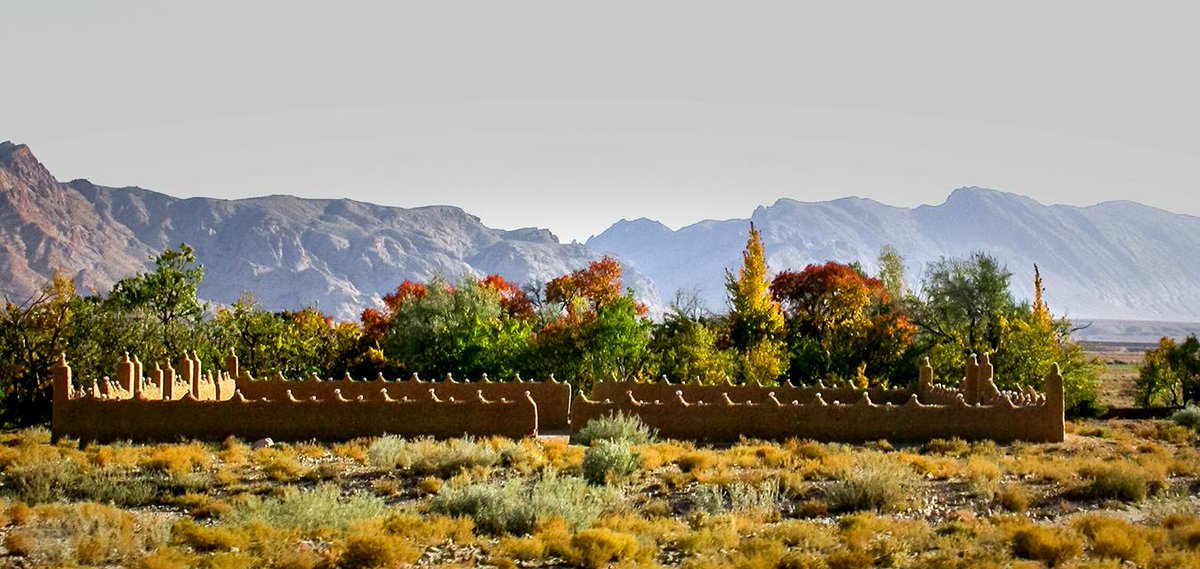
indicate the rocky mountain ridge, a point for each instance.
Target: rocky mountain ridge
{"x":1118,"y":260}
{"x":340,"y":255}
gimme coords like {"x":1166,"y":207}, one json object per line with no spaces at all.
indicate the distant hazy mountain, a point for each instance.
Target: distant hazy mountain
{"x":1117,"y":260}
{"x":340,"y":255}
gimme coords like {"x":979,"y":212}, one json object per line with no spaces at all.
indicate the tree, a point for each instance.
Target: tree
{"x":592,"y":331}
{"x":842,"y":324}
{"x":32,"y":335}
{"x":463,"y":329}
{"x":891,"y":272}
{"x":1170,"y":373}
{"x":684,"y":348}
{"x":252,"y":333}
{"x":588,"y":288}
{"x":167,"y":298}
{"x":755,"y":319}
{"x":961,"y":306}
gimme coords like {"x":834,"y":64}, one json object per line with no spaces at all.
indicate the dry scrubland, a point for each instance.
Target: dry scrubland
{"x":1114,"y":493}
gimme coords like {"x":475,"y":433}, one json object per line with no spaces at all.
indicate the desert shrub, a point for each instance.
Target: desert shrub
{"x":709,"y":499}
{"x":618,"y":427}
{"x":951,"y":447}
{"x":495,"y":507}
{"x":372,"y":551}
{"x":428,"y":456}
{"x":429,"y":529}
{"x":697,"y":460}
{"x":178,"y":460}
{"x":598,"y":547}
{"x":113,"y":486}
{"x":982,"y":477}
{"x":1012,"y":497}
{"x":739,"y":497}
{"x":523,"y":548}
{"x":872,"y":484}
{"x":205,"y":539}
{"x":1184,"y":531}
{"x":1051,"y":546}
{"x":514,"y":507}
{"x":1126,"y":483}
{"x":312,"y":511}
{"x":802,"y":535}
{"x":278,"y":465}
{"x":43,"y":481}
{"x":1188,"y":417}
{"x":525,"y":456}
{"x":709,"y":534}
{"x":166,"y":559}
{"x":86,"y":534}
{"x":355,"y":450}
{"x":1114,"y":538}
{"x":116,"y":455}
{"x":759,"y":455}
{"x":609,"y":461}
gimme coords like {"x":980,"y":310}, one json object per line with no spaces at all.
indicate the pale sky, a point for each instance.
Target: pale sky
{"x":572,"y":115}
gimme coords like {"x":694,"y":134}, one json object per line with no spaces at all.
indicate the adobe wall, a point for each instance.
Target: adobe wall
{"x":553,"y":398}
{"x":89,"y":415}
{"x":977,"y":410}
{"x":190,"y":403}
{"x":664,"y":391}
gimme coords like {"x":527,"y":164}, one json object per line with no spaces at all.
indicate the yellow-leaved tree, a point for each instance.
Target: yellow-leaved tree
{"x":755,"y":319}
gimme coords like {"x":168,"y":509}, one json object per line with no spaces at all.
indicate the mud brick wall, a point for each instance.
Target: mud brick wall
{"x":86,"y":416}
{"x":976,"y":410}
{"x":913,"y":421}
{"x":663,"y":391}
{"x":553,"y":399}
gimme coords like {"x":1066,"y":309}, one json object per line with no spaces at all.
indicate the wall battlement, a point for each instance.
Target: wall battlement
{"x":210,"y":407}
{"x":975,"y":410}
{"x":168,"y":405}
{"x":553,"y":398}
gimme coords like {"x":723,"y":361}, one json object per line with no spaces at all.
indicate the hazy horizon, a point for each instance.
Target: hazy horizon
{"x":572,"y":117}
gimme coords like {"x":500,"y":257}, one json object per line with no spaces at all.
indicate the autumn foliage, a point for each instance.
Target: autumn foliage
{"x":830,"y":322}
{"x":842,"y":324}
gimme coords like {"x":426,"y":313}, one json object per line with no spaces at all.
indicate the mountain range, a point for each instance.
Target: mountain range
{"x":1115,"y":260}
{"x":338,"y":255}
{"x":1118,"y":260}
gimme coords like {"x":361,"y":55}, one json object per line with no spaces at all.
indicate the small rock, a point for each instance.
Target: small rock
{"x":262,"y":443}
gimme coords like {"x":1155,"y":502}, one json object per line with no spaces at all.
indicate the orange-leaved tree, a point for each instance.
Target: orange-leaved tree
{"x":843,"y":325}
{"x":600,"y":332}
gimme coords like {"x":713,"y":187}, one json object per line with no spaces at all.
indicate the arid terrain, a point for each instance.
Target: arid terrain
{"x":1115,"y":492}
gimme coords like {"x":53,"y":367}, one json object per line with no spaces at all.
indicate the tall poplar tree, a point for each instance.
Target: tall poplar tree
{"x":755,"y":319}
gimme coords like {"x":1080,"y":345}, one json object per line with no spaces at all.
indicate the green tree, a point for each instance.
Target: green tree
{"x":1170,"y":374}
{"x":962,"y":304}
{"x":684,"y":348}
{"x":166,"y":298}
{"x":32,"y":334}
{"x":755,"y":320}
{"x":252,"y":333}
{"x":891,"y":272}
{"x":464,"y":330}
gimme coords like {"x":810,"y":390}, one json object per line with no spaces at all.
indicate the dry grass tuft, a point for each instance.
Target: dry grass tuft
{"x":873,"y":484}
{"x":1052,"y":546}
{"x":178,"y":460}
